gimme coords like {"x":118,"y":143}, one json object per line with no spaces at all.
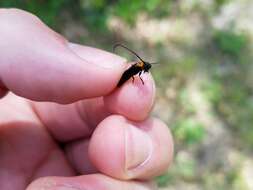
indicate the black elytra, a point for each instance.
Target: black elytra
{"x":137,"y":68}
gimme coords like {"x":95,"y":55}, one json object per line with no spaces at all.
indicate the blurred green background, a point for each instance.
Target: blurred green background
{"x":204,"y":80}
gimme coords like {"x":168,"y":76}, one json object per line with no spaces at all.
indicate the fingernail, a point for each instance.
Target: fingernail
{"x":96,"y":56}
{"x":138,"y":148}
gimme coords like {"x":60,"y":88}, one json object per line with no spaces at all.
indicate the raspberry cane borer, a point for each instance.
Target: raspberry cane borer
{"x":139,"y":67}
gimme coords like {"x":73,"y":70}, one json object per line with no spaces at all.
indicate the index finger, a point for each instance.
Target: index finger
{"x":78,"y":120}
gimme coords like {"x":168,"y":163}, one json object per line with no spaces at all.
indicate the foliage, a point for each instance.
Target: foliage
{"x":47,"y":10}
{"x":213,"y":91}
{"x":157,"y":8}
{"x":164,"y":180}
{"x":188,"y":131}
{"x":230,"y":42}
{"x":96,"y":13}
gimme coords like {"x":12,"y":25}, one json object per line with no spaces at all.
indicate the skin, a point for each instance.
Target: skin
{"x":63,"y":123}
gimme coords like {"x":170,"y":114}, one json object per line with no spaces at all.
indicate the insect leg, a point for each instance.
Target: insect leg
{"x":141,"y":78}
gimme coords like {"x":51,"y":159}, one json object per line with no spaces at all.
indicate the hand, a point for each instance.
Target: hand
{"x":69,"y":118}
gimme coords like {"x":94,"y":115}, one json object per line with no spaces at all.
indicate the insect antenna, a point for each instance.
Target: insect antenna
{"x":120,"y":45}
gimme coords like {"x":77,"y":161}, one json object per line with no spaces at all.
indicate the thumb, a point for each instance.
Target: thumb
{"x":39,"y":64}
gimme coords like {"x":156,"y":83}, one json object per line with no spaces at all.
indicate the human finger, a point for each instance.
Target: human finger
{"x":134,"y":100}
{"x":39,"y":64}
{"x":131,"y":150}
{"x":95,"y":181}
{"x":78,"y":120}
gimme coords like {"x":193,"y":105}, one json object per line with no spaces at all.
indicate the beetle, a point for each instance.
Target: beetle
{"x":139,"y":67}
